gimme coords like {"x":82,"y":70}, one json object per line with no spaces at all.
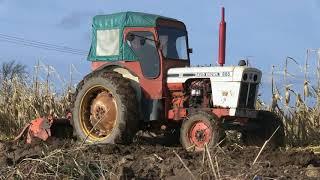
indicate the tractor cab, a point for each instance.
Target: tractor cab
{"x":155,"y":43}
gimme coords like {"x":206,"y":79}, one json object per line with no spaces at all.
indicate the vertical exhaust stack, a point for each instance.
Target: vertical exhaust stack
{"x":222,"y":40}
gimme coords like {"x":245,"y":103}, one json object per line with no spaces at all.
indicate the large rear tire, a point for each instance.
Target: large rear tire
{"x":105,"y":109}
{"x":267,"y":123}
{"x":199,"y":129}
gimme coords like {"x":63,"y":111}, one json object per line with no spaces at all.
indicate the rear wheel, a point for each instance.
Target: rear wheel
{"x":267,"y":124}
{"x":105,"y":109}
{"x":199,"y":129}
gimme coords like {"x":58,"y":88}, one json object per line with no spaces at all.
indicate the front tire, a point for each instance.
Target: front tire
{"x":105,"y":109}
{"x":198,"y":130}
{"x":267,"y":123}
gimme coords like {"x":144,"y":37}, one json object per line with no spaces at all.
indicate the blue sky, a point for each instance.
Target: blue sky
{"x":264,"y":31}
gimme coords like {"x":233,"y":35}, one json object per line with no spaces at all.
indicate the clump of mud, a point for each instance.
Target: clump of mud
{"x":69,"y":159}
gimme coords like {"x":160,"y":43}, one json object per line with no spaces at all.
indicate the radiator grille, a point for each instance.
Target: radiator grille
{"x":247,"y":95}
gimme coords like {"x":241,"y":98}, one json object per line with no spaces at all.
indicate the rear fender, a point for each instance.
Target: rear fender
{"x":134,"y":80}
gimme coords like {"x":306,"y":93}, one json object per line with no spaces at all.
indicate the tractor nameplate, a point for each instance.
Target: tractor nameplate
{"x":214,"y":74}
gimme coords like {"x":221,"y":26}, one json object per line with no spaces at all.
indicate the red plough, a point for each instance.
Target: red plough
{"x":45,"y":127}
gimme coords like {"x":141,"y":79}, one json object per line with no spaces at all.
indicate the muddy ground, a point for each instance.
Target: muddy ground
{"x":70,"y":159}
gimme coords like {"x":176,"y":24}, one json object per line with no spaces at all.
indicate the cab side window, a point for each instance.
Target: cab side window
{"x":144,"y":47}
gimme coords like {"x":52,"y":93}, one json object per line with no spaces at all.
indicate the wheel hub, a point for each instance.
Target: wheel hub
{"x":100,"y":112}
{"x":200,"y":134}
{"x":103,"y":114}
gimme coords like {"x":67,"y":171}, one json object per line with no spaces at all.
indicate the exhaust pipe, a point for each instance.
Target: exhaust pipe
{"x":222,"y":40}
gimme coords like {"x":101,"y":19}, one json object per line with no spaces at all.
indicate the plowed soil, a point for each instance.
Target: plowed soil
{"x":69,"y":159}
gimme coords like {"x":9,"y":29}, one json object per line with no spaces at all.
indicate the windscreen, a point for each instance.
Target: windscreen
{"x":173,"y":43}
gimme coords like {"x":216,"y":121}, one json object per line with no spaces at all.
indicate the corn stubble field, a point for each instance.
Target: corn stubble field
{"x":23,"y":99}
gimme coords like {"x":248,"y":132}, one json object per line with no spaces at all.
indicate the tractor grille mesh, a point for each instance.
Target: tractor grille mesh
{"x":247,"y":95}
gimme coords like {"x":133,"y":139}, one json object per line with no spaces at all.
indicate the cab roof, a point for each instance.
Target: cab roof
{"x":107,"y":34}
{"x":127,"y":19}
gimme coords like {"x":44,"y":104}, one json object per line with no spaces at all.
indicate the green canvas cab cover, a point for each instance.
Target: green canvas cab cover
{"x":107,"y":35}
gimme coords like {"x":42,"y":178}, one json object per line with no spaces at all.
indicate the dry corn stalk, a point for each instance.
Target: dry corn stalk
{"x":287,"y":95}
{"x":275,"y":98}
{"x":306,"y":91}
{"x":299,"y":101}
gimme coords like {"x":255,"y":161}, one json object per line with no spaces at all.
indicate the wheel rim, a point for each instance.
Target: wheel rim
{"x":98,"y":113}
{"x":200,"y":134}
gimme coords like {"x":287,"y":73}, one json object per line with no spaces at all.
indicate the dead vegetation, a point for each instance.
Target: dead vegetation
{"x":299,"y":107}
{"x":23,"y":99}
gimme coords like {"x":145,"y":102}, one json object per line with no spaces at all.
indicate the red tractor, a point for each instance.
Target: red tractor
{"x":142,"y":76}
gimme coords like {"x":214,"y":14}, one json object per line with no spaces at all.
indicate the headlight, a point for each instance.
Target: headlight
{"x":195,"y":92}
{"x":245,"y":76}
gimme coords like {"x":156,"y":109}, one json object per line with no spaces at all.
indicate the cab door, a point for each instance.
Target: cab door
{"x":148,"y":66}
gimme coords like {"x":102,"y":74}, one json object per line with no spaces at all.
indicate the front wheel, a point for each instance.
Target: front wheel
{"x":198,"y":130}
